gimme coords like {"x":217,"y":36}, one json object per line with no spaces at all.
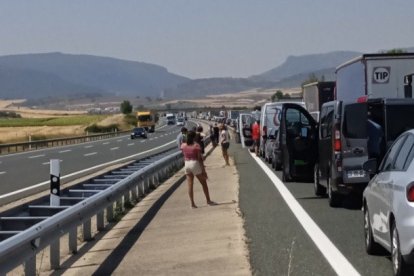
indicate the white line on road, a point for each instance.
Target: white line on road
{"x":87,"y":147}
{"x":131,"y":144}
{"x":63,"y":151}
{"x":47,"y":183}
{"x":156,"y":137}
{"x":106,"y":143}
{"x":120,"y":140}
{"x":36,"y":156}
{"x":335,"y":258}
{"x":2,"y":173}
{"x":115,"y":148}
{"x":89,"y":154}
{"x":143,"y":141}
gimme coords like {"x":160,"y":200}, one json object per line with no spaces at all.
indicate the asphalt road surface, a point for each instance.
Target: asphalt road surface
{"x":279,"y":236}
{"x":22,"y":172}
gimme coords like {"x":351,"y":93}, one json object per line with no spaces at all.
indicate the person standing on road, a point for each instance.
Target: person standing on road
{"x":194,"y":166}
{"x":181,"y":137}
{"x":256,"y":136}
{"x":199,"y":139}
{"x":225,"y":143}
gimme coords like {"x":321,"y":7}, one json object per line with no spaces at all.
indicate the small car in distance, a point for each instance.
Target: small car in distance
{"x":139,"y":132}
{"x":180,"y":121}
{"x":388,"y":204}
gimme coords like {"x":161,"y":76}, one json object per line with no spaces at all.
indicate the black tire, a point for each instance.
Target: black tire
{"x":318,"y":188}
{"x":334,"y":198}
{"x":399,"y":266}
{"x":371,"y":246}
{"x":273,"y":163}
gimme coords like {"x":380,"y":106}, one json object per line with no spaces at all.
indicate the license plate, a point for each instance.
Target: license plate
{"x":356,"y":173}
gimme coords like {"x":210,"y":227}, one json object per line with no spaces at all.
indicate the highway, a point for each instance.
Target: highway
{"x":280,"y":245}
{"x":22,"y":172}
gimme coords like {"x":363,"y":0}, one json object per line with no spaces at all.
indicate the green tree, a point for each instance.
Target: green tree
{"x":277,"y":96}
{"x":126,"y":107}
{"x":395,"y":51}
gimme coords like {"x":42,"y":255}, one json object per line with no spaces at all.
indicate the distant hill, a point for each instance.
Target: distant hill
{"x":306,"y":64}
{"x":37,"y":75}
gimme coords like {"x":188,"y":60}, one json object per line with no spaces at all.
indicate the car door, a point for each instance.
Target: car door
{"x":299,"y":142}
{"x":325,"y":141}
{"x":381,"y":187}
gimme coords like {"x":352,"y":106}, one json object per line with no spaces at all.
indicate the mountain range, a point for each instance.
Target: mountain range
{"x":58,"y":75}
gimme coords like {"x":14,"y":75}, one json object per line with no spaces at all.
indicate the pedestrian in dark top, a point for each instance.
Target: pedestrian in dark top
{"x":216,"y":134}
{"x":225,"y":143}
{"x":199,"y":139}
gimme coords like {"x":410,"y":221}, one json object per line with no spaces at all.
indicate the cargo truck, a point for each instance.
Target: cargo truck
{"x":317,"y":93}
{"x":147,"y":119}
{"x":373,"y":76}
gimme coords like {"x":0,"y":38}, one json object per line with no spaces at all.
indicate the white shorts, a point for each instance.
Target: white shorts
{"x":192,"y":166}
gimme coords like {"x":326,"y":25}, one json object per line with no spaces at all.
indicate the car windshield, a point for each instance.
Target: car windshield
{"x":138,"y":129}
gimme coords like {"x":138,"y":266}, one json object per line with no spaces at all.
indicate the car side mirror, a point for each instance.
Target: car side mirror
{"x":370,"y":166}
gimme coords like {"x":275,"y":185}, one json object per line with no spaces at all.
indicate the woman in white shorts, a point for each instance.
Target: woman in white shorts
{"x":194,"y":166}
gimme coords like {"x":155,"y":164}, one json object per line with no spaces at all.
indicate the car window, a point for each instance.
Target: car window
{"x":387,"y":163}
{"x":354,"y":125}
{"x":326,"y":122}
{"x":402,"y":156}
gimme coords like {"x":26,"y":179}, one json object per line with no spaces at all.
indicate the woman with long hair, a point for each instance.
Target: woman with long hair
{"x":194,"y":166}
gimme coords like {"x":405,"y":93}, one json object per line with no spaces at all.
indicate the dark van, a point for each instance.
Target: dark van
{"x":342,"y":149}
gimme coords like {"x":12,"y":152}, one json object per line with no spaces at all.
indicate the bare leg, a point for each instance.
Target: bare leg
{"x":203,"y":182}
{"x":226,"y":157}
{"x":190,"y":182}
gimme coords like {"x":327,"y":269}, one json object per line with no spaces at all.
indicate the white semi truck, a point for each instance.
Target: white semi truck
{"x":373,"y":76}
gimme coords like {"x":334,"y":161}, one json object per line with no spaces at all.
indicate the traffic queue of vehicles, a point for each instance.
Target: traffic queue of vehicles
{"x":354,"y":140}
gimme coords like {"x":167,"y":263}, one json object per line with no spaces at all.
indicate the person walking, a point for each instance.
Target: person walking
{"x":216,"y":131}
{"x":181,"y":137}
{"x":256,"y":136}
{"x":199,"y":139}
{"x":194,"y":166}
{"x":224,"y":141}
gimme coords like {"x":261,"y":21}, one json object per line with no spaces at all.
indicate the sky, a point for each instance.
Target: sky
{"x":205,"y":38}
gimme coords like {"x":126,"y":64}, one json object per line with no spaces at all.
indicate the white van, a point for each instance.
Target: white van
{"x":270,"y":122}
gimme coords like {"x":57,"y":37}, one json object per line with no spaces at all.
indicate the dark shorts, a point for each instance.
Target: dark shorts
{"x":225,"y":146}
{"x":256,"y":142}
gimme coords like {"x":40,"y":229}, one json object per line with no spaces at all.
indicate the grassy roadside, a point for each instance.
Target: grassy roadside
{"x":57,"y":121}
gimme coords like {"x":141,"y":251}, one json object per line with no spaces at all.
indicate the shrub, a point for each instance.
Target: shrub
{"x":130,"y":119}
{"x":102,"y":129}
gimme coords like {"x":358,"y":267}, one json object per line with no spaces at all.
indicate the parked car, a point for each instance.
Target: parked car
{"x":138,"y":132}
{"x":342,"y":149}
{"x":388,"y":204}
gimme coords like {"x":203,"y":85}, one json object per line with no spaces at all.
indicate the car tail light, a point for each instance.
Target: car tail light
{"x":410,"y":192}
{"x":337,"y":140}
{"x":362,"y":99}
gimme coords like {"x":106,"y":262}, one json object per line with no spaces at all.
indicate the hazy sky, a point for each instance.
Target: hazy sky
{"x":205,"y":38}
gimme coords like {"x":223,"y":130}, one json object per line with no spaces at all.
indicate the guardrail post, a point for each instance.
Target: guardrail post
{"x":100,"y":221}
{"x":110,"y":212}
{"x":141,"y":188}
{"x":119,"y":204}
{"x":127,"y":198}
{"x":55,"y":254}
{"x":73,"y":240}
{"x":30,"y":265}
{"x":87,"y":231}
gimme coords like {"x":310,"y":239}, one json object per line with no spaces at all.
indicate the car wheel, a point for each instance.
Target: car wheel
{"x":398,"y":265}
{"x":132,"y":137}
{"x":333,"y":197}
{"x":371,"y":246}
{"x":319,"y":189}
{"x":269,"y":160}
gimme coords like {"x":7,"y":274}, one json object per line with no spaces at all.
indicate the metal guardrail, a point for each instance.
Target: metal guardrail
{"x":33,"y":145}
{"x":22,"y":246}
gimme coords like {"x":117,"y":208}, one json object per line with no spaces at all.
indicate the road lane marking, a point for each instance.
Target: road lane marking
{"x":90,"y":154}
{"x":2,"y":173}
{"x":36,"y":156}
{"x":335,"y":258}
{"x":120,"y":140}
{"x":155,"y":138}
{"x":63,"y":151}
{"x":143,"y":141}
{"x":130,"y":144}
{"x":88,"y":147}
{"x":106,"y":143}
{"x":47,"y":183}
{"x":115,"y":148}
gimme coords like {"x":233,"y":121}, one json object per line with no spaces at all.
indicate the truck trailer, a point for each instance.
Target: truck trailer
{"x":373,"y":76}
{"x":317,"y":93}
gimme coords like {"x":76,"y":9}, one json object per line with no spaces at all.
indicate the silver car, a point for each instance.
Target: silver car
{"x":388,"y":204}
